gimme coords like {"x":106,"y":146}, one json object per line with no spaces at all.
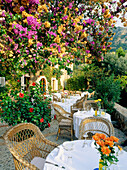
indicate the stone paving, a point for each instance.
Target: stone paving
{"x":6,"y":161}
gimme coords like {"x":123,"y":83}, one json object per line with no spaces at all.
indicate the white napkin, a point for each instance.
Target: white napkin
{"x":91,"y":110}
{"x":60,"y":155}
{"x":62,"y":158}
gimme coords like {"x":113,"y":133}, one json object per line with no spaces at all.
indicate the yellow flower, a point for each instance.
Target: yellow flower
{"x":95,"y":101}
{"x":76,"y":9}
{"x":63,"y":50}
{"x":30,"y":41}
{"x":119,"y":148}
{"x":47,"y":24}
{"x":65,"y":10}
{"x":99,"y":100}
{"x":83,"y":35}
{"x":42,"y":7}
{"x":74,"y":49}
{"x":25,"y":20}
{"x":57,"y":39}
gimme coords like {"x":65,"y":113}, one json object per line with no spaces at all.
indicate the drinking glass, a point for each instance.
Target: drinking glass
{"x":85,"y":144}
{"x":68,"y":147}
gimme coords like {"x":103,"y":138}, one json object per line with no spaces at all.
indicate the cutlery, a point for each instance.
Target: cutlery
{"x":60,"y":166}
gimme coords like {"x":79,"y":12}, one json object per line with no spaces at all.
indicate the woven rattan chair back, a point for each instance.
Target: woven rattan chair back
{"x":90,"y":104}
{"x":91,"y":125}
{"x":79,"y":103}
{"x":60,"y":112}
{"x":66,"y":117}
{"x":25,"y":141}
{"x":56,"y":98}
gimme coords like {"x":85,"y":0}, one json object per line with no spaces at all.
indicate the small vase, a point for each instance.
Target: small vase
{"x":105,"y":168}
{"x":99,"y":111}
{"x":101,"y":167}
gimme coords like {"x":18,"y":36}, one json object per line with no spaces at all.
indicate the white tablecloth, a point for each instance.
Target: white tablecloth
{"x":80,"y":115}
{"x":80,"y":158}
{"x":67,"y":104}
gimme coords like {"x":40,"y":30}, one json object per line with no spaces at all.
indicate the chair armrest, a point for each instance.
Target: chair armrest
{"x":23,"y":162}
{"x":64,"y":117}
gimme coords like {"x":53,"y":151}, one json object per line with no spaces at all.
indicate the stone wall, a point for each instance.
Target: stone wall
{"x":121,"y":115}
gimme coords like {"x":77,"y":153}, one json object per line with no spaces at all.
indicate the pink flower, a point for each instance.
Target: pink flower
{"x":21,"y":8}
{"x":70,"y":5}
{"x":39,"y":44}
{"x":59,"y":49}
{"x":16,"y":46}
{"x":102,"y":58}
{"x":65,"y":17}
{"x":8,"y":1}
{"x":87,"y":51}
{"x":34,"y":1}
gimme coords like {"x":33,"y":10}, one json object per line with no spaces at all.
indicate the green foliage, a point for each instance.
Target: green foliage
{"x":120,"y":52}
{"x":26,"y":107}
{"x":108,"y":90}
{"x":77,"y":83}
{"x":119,"y":39}
{"x":57,"y":73}
{"x":115,"y":64}
{"x":123,"y":82}
{"x":2,"y":91}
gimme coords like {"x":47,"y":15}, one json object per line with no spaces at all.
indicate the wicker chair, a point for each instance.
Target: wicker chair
{"x":28,"y":146}
{"x":91,"y":125}
{"x":65,"y":121}
{"x":57,"y":99}
{"x":79,"y":104}
{"x":90,"y":104}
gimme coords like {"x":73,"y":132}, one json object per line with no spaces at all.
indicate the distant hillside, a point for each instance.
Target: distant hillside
{"x":120,"y":38}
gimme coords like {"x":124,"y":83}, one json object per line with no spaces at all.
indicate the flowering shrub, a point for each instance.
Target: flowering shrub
{"x":105,"y":146}
{"x":26,"y":107}
{"x":36,"y":33}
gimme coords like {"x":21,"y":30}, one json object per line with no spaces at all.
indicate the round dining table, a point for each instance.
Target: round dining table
{"x":80,"y":115}
{"x":74,"y":155}
{"x":66,"y":104}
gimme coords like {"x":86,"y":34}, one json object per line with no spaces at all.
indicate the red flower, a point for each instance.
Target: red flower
{"x":54,"y":116}
{"x":49,"y":107}
{"x":41,"y":120}
{"x":33,"y":84}
{"x":48,"y":124}
{"x":31,"y":110}
{"x":18,"y":80}
{"x":45,"y":98}
{"x":21,"y":95}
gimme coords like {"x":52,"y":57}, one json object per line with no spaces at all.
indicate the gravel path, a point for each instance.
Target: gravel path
{"x":6,"y":161}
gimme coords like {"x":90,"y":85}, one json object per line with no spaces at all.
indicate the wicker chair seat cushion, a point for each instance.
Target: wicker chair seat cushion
{"x":65,"y":122}
{"x":38,"y":162}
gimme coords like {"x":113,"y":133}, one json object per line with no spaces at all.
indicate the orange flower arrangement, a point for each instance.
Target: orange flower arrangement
{"x":105,"y":146}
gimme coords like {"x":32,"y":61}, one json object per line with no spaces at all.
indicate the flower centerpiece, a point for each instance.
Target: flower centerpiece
{"x":108,"y":151}
{"x":99,"y":105}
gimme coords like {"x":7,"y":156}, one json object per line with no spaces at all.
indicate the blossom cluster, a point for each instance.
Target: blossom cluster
{"x":105,"y":146}
{"x":39,"y":33}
